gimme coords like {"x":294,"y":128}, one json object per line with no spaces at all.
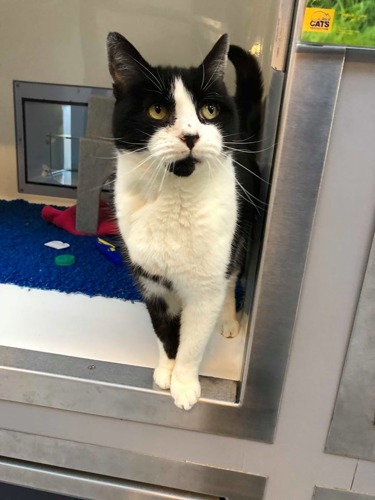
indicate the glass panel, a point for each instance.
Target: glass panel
{"x":52,"y":132}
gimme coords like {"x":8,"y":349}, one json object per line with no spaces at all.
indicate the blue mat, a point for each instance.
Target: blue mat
{"x":25,"y":261}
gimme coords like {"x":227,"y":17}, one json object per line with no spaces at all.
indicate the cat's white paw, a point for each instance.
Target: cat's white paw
{"x":230,"y":329}
{"x":162,"y":377}
{"x":187,"y":393}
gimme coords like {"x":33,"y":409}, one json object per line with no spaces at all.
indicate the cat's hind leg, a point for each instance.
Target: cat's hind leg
{"x":229,"y":325}
{"x":163,"y":372}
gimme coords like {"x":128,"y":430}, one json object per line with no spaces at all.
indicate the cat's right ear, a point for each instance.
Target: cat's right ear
{"x":125,"y":62}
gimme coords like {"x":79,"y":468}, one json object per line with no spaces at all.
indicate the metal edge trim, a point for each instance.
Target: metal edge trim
{"x":352,"y":53}
{"x":132,"y":466}
{"x":320,"y":494}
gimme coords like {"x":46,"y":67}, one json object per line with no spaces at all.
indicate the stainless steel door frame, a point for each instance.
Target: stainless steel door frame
{"x":88,"y":471}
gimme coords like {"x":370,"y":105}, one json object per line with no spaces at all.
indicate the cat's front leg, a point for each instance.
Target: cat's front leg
{"x":165,"y":317}
{"x":198,"y":320}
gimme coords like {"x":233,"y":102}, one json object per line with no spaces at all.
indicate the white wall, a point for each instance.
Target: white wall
{"x":63,"y":41}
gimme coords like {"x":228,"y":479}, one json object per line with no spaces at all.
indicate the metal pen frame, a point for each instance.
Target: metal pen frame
{"x":248,"y":409}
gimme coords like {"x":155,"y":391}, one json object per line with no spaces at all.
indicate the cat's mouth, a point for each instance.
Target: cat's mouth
{"x":185,"y":167}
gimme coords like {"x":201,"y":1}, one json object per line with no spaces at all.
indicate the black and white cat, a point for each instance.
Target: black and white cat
{"x":184,"y":196}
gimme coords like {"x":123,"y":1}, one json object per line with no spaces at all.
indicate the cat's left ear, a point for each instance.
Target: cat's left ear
{"x":215,"y":62}
{"x":125,"y":62}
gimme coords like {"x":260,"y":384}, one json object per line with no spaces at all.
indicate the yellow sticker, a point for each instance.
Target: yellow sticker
{"x":318,"y":20}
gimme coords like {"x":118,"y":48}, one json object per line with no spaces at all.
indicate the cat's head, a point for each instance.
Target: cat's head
{"x":181,"y":116}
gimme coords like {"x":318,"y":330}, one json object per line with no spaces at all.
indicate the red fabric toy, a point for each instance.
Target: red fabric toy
{"x":66,"y":219}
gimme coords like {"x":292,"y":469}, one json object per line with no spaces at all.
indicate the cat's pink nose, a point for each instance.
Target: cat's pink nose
{"x":190,"y":140}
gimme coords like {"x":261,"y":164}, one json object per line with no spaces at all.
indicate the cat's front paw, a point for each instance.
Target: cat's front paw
{"x":230,"y":328}
{"x":162,"y":377}
{"x":186,"y":393}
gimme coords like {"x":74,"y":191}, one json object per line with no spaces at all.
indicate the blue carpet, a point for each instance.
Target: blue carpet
{"x":25,"y":261}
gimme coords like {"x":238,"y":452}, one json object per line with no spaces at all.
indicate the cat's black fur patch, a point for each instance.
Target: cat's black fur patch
{"x":166,"y":327}
{"x":138,"y":272}
{"x":183,"y":168}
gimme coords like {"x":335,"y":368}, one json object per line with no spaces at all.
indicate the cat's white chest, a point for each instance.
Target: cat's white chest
{"x":184,"y":230}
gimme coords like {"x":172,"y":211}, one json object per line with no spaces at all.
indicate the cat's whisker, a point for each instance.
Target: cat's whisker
{"x":111,"y":139}
{"x":162,"y":149}
{"x":160,"y":79}
{"x":249,"y":195}
{"x":147,"y":169}
{"x":133,"y":143}
{"x":166,"y":169}
{"x":240,"y":142}
{"x":154,"y":173}
{"x":122,"y":154}
{"x":158,"y":83}
{"x":101,"y":186}
{"x":153,"y":177}
{"x":209,"y":170}
{"x":250,"y":171}
{"x":212,"y":152}
{"x":149,"y":157}
{"x":143,"y":132}
{"x":127,"y":172}
{"x":249,"y":151}
{"x":203,"y":75}
{"x":155,"y":91}
{"x":106,"y":157}
{"x":251,"y":198}
{"x":237,"y":134}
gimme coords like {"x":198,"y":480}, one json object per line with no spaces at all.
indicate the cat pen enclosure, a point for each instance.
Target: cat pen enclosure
{"x":245,"y":405}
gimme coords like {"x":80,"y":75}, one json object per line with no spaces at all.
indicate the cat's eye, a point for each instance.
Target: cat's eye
{"x":157,"y":112}
{"x":209,"y":111}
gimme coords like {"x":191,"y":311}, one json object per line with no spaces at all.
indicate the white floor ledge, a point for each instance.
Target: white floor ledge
{"x":97,"y":328}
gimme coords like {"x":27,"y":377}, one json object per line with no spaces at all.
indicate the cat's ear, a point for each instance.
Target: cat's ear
{"x":215,"y":62}
{"x":125,"y":62}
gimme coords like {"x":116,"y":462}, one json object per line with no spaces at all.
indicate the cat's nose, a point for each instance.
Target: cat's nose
{"x":190,"y":140}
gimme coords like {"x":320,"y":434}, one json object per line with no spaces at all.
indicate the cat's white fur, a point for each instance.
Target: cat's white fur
{"x":181,"y":228}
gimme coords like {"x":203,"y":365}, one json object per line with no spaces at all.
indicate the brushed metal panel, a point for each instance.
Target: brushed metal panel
{"x":127,"y":465}
{"x":352,"y":431}
{"x":87,"y":486}
{"x":327,"y":494}
{"x":302,"y":143}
